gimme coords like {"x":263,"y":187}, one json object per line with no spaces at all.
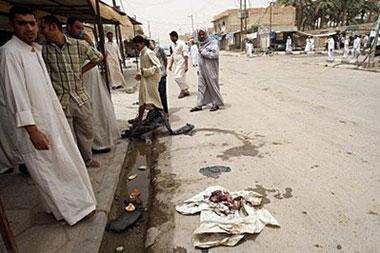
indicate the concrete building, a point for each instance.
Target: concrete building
{"x":228,"y":23}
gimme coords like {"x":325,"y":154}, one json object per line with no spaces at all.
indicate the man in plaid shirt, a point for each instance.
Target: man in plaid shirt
{"x":65,"y":59}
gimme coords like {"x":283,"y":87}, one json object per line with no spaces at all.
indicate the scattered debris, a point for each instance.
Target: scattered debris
{"x":135,"y":193}
{"x":130,"y":208}
{"x":142,"y":167}
{"x":214,"y":171}
{"x":225,"y":217}
{"x":120,"y":249}
{"x":151,"y":236}
{"x":130,"y":178}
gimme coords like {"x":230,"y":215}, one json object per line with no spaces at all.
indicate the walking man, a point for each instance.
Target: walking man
{"x":40,"y":131}
{"x":160,"y":53}
{"x":179,"y":59}
{"x":208,"y":77}
{"x":65,"y":59}
{"x":114,"y":60}
{"x":149,"y":76}
{"x":356,"y":48}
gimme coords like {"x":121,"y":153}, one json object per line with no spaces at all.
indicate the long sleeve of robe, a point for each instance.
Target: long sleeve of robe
{"x":59,"y":173}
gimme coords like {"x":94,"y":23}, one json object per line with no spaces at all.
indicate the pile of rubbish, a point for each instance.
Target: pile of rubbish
{"x":225,"y":217}
{"x":154,"y":119}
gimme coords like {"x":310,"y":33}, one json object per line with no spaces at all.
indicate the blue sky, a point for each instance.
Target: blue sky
{"x":167,"y":15}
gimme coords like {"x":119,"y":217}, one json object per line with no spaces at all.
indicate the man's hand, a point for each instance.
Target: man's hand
{"x":186,"y":68}
{"x":170,"y":67}
{"x":138,"y":77}
{"x":87,"y":38}
{"x":39,"y":140}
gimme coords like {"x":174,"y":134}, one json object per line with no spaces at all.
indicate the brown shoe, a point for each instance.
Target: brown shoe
{"x":93,"y":164}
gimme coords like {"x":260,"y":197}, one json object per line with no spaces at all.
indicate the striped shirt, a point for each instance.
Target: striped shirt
{"x":64,"y":65}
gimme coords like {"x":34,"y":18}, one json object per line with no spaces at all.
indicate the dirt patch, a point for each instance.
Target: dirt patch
{"x":247,"y":149}
{"x":264,"y":192}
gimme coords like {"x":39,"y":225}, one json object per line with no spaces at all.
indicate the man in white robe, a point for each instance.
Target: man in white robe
{"x":346,"y":49}
{"x":312,"y":43}
{"x":308,"y":45}
{"x":41,"y":132}
{"x":179,"y":59}
{"x":289,"y":47}
{"x":194,"y":53}
{"x":356,"y":49}
{"x":104,"y":120}
{"x":331,"y":49}
{"x":113,"y":60}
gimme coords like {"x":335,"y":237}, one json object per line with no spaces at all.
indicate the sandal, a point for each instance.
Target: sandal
{"x":195,"y":109}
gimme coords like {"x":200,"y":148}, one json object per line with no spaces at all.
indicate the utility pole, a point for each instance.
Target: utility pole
{"x":150,"y":34}
{"x":243,"y":15}
{"x":270,"y":23}
{"x":192,"y":23}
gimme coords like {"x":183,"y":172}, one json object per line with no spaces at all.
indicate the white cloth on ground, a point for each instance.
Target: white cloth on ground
{"x":180,"y":51}
{"x":104,"y":122}
{"x":113,"y":58}
{"x":59,"y":173}
{"x":216,"y":228}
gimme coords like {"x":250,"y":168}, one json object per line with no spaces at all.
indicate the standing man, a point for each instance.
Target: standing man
{"x":346,"y":49}
{"x":40,"y":131}
{"x":114,"y":60}
{"x":308,"y":45}
{"x":331,"y":48}
{"x":160,"y":53}
{"x":104,"y":119}
{"x":208,"y":78}
{"x":65,"y":58}
{"x":149,"y":76}
{"x":180,"y":59}
{"x":194,"y":53}
{"x":289,"y":48}
{"x":312,"y":43}
{"x":356,"y":48}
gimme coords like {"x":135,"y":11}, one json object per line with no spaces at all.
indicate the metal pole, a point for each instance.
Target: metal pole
{"x":150,"y":34}
{"x":102,"y":42}
{"x":192,"y":22}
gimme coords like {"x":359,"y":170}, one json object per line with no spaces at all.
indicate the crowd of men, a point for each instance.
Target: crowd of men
{"x":56,"y":109}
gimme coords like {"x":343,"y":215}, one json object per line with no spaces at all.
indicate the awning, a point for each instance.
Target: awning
{"x":316,"y":35}
{"x":85,"y":9}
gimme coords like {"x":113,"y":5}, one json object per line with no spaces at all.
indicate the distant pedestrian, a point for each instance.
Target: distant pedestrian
{"x":308,"y":45}
{"x":114,"y":63}
{"x":312,"y":43}
{"x":149,"y":77}
{"x":160,"y":53}
{"x":289,"y":47}
{"x":356,"y":49}
{"x":194,"y":53}
{"x":365,"y":41}
{"x":208,"y":77}
{"x":331,"y":48}
{"x":346,"y":50}
{"x":179,"y":59}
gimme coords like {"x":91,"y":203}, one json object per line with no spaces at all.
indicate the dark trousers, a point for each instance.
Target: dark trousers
{"x":162,"y":91}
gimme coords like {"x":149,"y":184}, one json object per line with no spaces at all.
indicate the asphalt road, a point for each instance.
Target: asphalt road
{"x":304,"y":135}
